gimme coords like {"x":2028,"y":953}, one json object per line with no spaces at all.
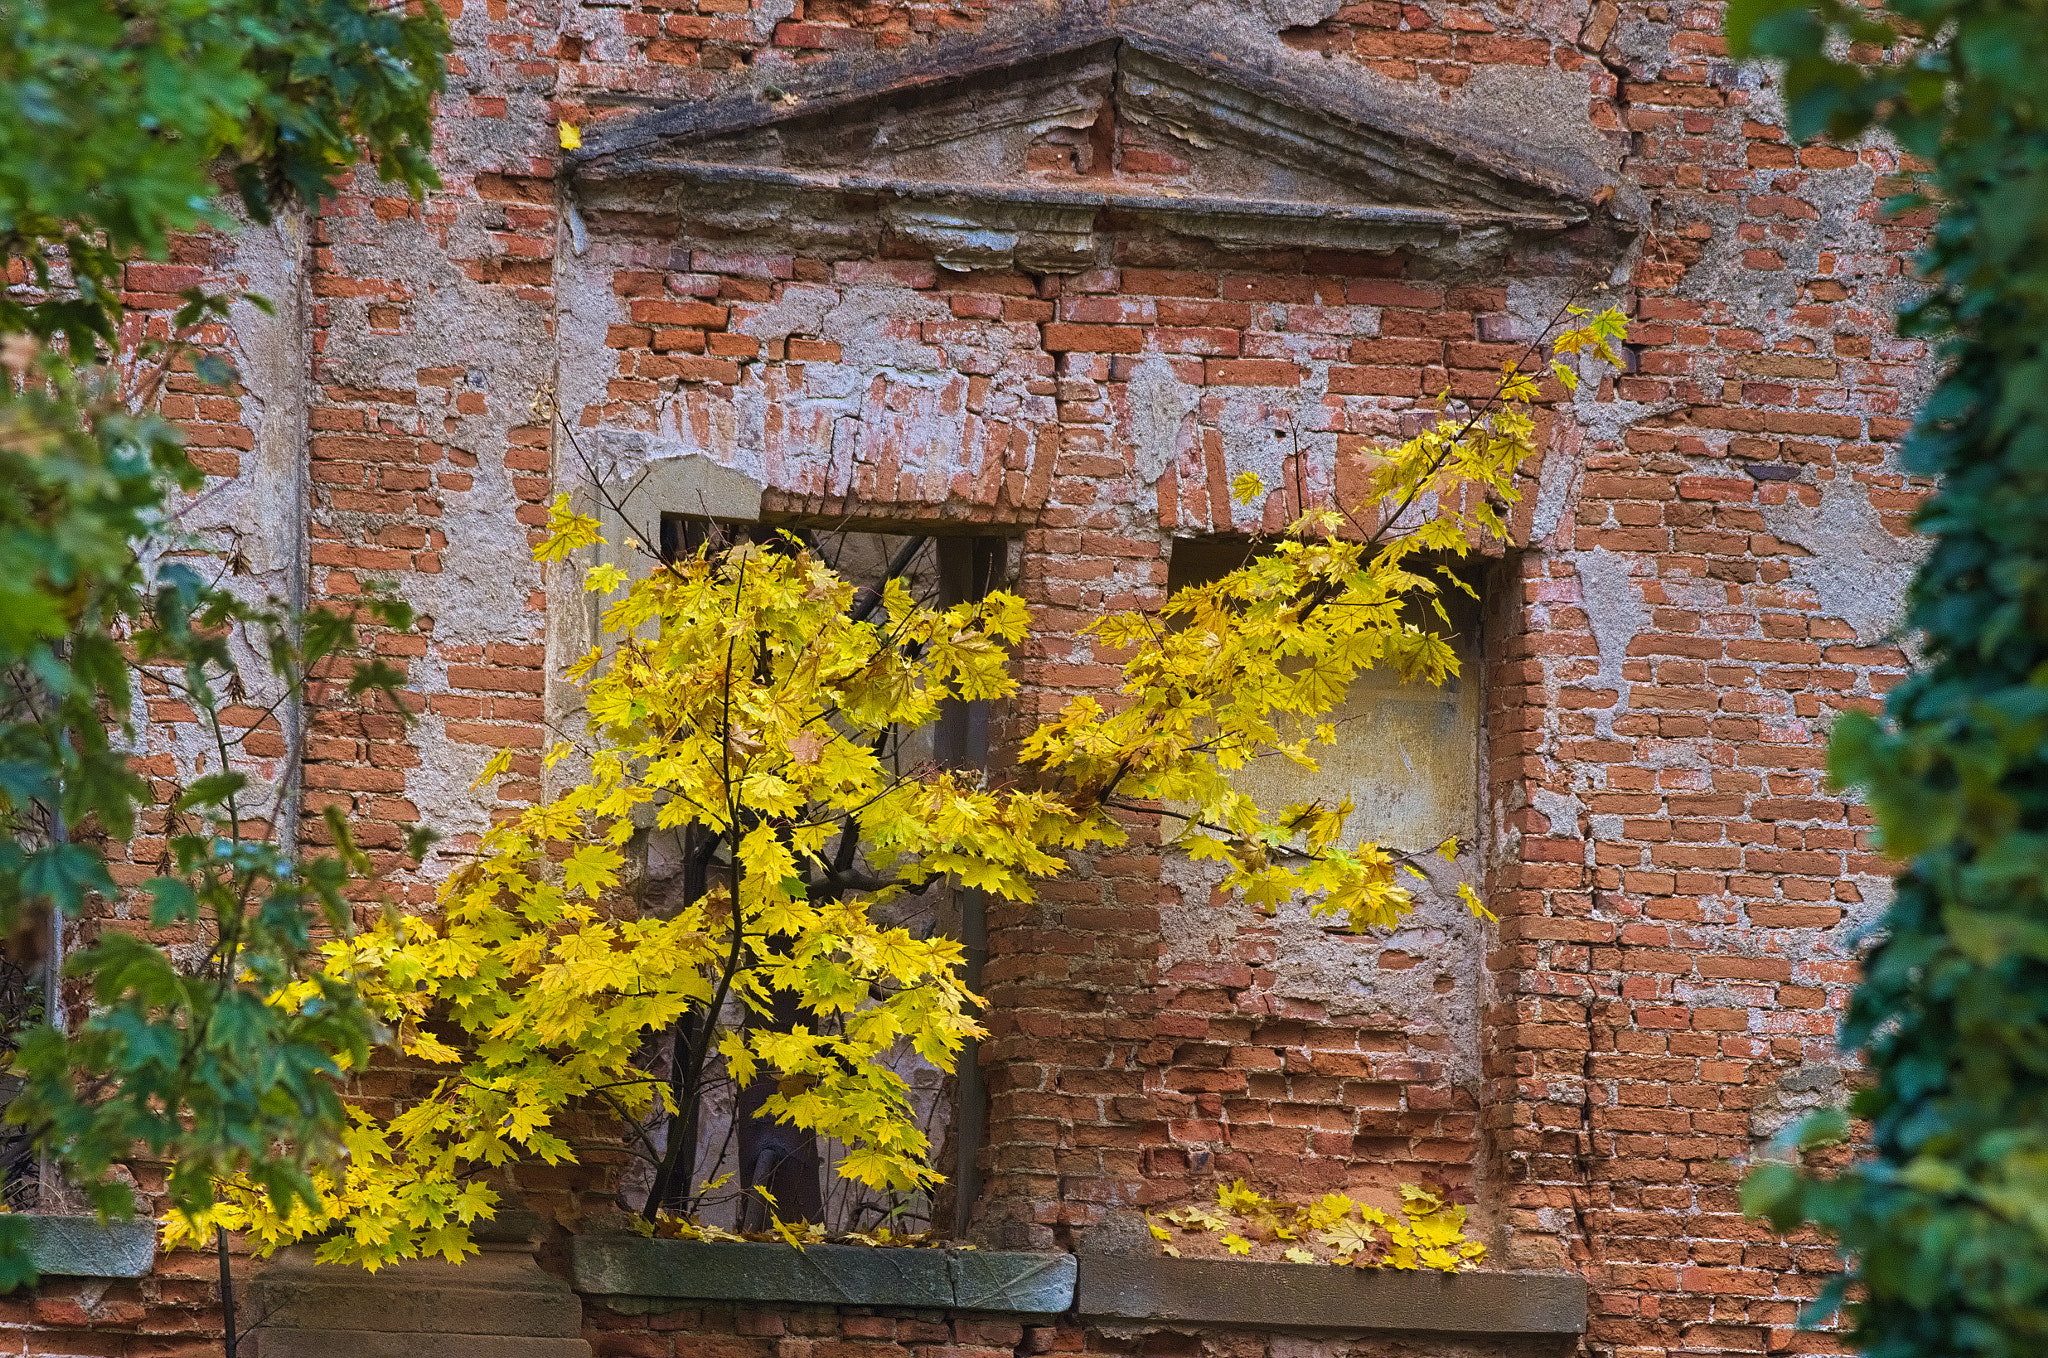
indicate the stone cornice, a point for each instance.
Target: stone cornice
{"x":1323,"y":164}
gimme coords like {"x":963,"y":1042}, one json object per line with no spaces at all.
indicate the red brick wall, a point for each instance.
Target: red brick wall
{"x":1664,"y":650}
{"x":173,"y":1313}
{"x":815,"y":1332}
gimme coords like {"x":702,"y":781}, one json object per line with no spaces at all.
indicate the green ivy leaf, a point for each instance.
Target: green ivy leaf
{"x":17,"y":1255}
{"x":64,"y":875}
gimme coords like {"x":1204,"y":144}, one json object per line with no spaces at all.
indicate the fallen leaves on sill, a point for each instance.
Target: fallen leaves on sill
{"x":795,"y":1233}
{"x":1427,"y":1233}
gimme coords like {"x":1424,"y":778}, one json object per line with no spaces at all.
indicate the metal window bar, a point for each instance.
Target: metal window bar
{"x":968,"y":569}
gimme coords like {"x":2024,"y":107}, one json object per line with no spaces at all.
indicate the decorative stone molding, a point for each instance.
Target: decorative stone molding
{"x":633,"y":1275}
{"x":1258,"y":1295}
{"x":961,"y":147}
{"x":978,"y":226}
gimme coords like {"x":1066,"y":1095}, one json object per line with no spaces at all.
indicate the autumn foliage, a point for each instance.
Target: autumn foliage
{"x":740,"y":701}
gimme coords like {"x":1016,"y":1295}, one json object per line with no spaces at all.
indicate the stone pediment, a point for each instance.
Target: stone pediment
{"x":1011,"y":146}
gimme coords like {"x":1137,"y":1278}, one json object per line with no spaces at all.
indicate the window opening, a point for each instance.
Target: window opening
{"x":1407,"y":752}
{"x":941,"y":570}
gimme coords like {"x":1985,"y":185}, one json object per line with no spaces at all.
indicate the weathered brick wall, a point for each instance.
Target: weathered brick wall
{"x":818,"y":1332}
{"x":1113,"y":1076}
{"x":173,"y":1313}
{"x":854,"y":1332}
{"x":1705,"y":571}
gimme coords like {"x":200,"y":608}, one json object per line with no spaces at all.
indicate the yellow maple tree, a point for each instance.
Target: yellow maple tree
{"x":741,"y":699}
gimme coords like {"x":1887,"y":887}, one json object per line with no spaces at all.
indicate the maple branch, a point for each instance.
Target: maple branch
{"x":1472,"y":421}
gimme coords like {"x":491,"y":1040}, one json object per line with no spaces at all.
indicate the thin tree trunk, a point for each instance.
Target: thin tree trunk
{"x":782,"y":1159}
{"x":227,"y":1294}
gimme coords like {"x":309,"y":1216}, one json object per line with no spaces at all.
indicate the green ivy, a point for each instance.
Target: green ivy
{"x":120,"y":120}
{"x":1944,"y":1222}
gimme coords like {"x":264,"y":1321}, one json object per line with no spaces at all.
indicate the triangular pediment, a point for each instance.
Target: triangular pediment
{"x":1007,"y":146}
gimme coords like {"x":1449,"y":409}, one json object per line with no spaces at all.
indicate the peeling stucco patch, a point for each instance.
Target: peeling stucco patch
{"x":1282,"y":14}
{"x":1806,"y":1089}
{"x":1857,"y":568}
{"x":1162,"y":411}
{"x":1616,"y":613}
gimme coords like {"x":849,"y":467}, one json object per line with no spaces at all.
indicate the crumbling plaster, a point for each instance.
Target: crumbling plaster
{"x":255,"y":521}
{"x":1855,"y":566}
{"x":500,"y":346}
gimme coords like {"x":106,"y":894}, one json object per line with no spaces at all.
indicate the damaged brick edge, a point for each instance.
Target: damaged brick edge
{"x":86,"y":1247}
{"x":631,"y":1275}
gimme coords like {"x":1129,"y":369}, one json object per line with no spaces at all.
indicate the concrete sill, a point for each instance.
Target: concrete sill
{"x":82,"y":1247}
{"x":637,"y":1276}
{"x":1259,"y":1295}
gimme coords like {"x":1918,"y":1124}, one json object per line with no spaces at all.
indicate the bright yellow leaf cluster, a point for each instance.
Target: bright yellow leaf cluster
{"x":1249,"y":664}
{"x":1427,"y":1233}
{"x":667,"y":1226}
{"x":741,"y":698}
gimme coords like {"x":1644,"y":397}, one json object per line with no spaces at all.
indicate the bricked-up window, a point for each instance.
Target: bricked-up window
{"x":939,"y":569}
{"x":1407,"y":752}
{"x":1319,"y":1059}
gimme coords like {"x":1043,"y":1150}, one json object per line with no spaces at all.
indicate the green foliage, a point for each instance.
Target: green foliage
{"x":1945,"y":1223}
{"x":192,"y":1059}
{"x":80,"y":480}
{"x":115,"y":119}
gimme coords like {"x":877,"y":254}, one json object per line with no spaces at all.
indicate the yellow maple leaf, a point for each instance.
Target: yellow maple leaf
{"x":603,"y":578}
{"x":1236,"y":1197}
{"x":591,"y":869}
{"x":494,"y":768}
{"x":1196,"y":1219}
{"x":1474,"y":904}
{"x":1348,"y":1238}
{"x":567,"y":531}
{"x":430,"y":1048}
{"x":1328,"y":1210}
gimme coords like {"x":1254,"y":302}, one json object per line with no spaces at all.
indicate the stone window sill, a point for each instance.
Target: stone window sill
{"x":1261,"y":1295}
{"x":84,"y":1247}
{"x":636,"y":1276}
